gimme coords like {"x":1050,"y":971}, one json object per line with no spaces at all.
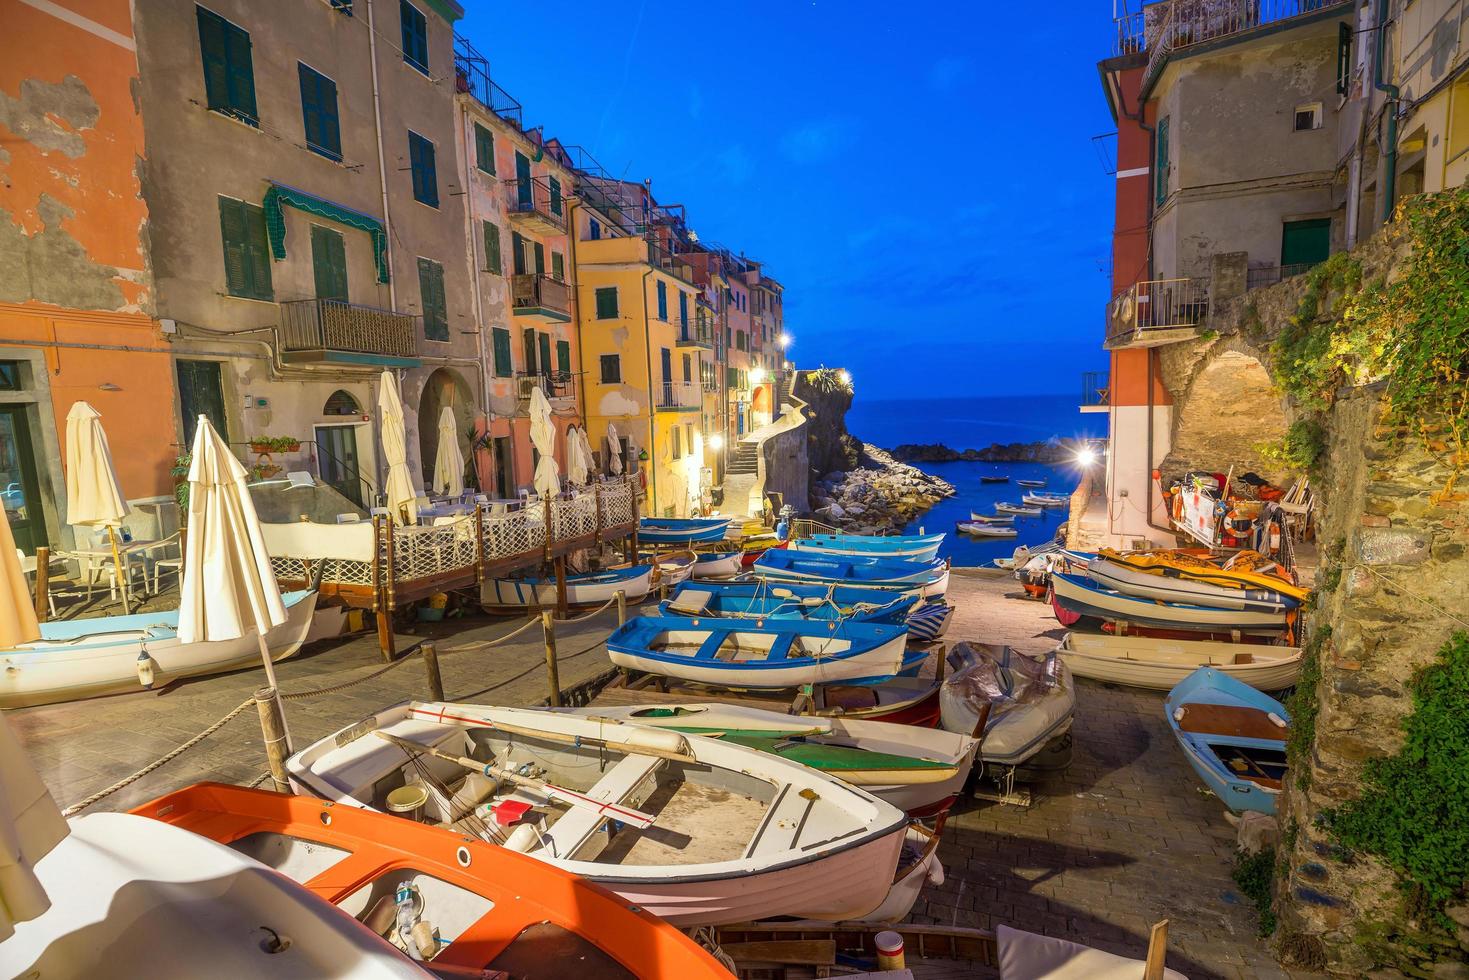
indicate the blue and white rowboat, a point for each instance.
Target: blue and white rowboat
{"x":1079,"y":594}
{"x":931,"y":577}
{"x":718,"y":564}
{"x":770,"y":654}
{"x":920,"y":547}
{"x":588,"y":589}
{"x":682,"y":530}
{"x":759,"y":600}
{"x":1233,"y":736}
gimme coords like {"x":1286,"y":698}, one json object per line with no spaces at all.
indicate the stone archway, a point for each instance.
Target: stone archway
{"x":1227,"y":408}
{"x":444,"y":387}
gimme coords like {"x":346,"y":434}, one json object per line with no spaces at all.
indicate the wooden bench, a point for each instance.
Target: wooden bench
{"x":576,"y":825}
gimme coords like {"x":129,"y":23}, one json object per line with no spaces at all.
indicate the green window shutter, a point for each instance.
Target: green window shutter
{"x":503,"y":367}
{"x":517,"y":252}
{"x":431,"y":292}
{"x":229,"y":76}
{"x":563,"y":356}
{"x":329,"y":263}
{"x":415,"y":35}
{"x":1160,"y":165}
{"x":241,"y":72}
{"x":319,"y":113}
{"x":1343,"y":58}
{"x":558,"y":267}
{"x":555,"y":195}
{"x":662,"y":300}
{"x":425,"y":175}
{"x":528,"y":348}
{"x":545,"y":348}
{"x":607,"y":303}
{"x":523,"y":195}
{"x":492,"y":248}
{"x":540,"y":251}
{"x":611,"y":369}
{"x":484,"y":149}
{"x":683,"y":310}
{"x":232,"y":233}
{"x":688,"y":369}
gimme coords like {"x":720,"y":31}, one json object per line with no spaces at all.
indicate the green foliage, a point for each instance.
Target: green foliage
{"x":1411,"y":332}
{"x":1303,"y":707}
{"x":180,"y":474}
{"x":1301,"y":448}
{"x":1253,"y":874}
{"x":1414,"y":808}
{"x":1328,"y":576}
{"x":275,"y":444}
{"x":830,"y":381}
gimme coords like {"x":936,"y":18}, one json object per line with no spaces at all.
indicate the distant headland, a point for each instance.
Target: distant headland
{"x":1047,"y":451}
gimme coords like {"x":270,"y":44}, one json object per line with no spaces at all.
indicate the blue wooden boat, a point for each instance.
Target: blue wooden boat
{"x":1079,"y":595}
{"x":1233,"y":735}
{"x":759,"y":600}
{"x":931,"y":577}
{"x":682,"y":530}
{"x":919,"y":547}
{"x":584,"y":589}
{"x":763,"y":654}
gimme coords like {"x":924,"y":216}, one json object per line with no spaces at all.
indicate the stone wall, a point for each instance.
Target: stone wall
{"x":787,"y":467}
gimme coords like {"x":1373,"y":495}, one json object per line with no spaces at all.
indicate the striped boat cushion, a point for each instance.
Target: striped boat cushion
{"x":928,"y":622}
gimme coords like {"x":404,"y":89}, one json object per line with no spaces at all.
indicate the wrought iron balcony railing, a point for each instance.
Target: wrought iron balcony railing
{"x":533,"y":291}
{"x":1149,"y":313}
{"x":679,"y":395}
{"x":1178,"y":24}
{"x":537,"y":202}
{"x":555,"y":384}
{"x":1096,"y":390}
{"x":697,"y":330}
{"x":1259,"y":278}
{"x":328,"y":325}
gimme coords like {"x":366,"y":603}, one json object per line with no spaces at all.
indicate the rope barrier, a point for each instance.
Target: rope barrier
{"x":160,"y":761}
{"x":302,"y":695}
{"x":599,"y":610}
{"x":482,"y":644}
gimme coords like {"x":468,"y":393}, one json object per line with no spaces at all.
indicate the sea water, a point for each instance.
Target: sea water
{"x":974,"y":423}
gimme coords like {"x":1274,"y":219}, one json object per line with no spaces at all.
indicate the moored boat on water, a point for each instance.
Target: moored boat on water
{"x":985,"y":530}
{"x":1081,"y":596}
{"x":918,"y":547}
{"x":994,"y":479}
{"x":1233,"y":736}
{"x":1030,"y":484}
{"x":976,"y":516}
{"x":770,"y":653}
{"x":1005,"y":507}
{"x":682,"y":530}
{"x":1038,"y":499}
{"x":1161,"y":664}
{"x":920,"y":770}
{"x":931,"y":577}
{"x":694,"y":830}
{"x":84,"y":658}
{"x":584,"y":589}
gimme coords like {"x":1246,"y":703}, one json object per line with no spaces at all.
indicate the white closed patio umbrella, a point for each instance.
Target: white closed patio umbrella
{"x":577,"y":464}
{"x":448,"y":461}
{"x":93,"y":497}
{"x":399,"y":490}
{"x":17,"y":610}
{"x":586,"y":450}
{"x":543,"y":437}
{"x":614,"y":450}
{"x":228,"y":587}
{"x":30,"y":826}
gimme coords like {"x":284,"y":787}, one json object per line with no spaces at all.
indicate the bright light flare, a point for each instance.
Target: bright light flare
{"x":757,"y":376}
{"x":1086,"y":457}
{"x":845,"y":376}
{"x":784,"y":340}
{"x":716,"y":442}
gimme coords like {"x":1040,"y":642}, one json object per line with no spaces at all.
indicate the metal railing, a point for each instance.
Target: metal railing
{"x":1096,"y":389}
{"x":472,"y":77}
{"x":332,"y":325}
{"x":532,"y":290}
{"x":1178,"y":24}
{"x":1269,"y":275}
{"x":555,"y":384}
{"x":1157,"y":304}
{"x":660,"y":258}
{"x":533,"y":198}
{"x":698,"y":330}
{"x":679,"y":394}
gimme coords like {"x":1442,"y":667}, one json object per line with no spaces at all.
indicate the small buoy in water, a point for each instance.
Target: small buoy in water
{"x":145,"y":669}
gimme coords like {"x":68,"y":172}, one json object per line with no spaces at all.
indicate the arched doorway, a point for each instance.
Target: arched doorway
{"x":338,"y":456}
{"x":445,"y":387}
{"x":1228,"y":411}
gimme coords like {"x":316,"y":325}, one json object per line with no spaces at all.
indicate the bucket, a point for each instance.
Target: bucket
{"x":889,"y":950}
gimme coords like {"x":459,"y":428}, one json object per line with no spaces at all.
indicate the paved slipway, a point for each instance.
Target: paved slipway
{"x":1125,"y":837}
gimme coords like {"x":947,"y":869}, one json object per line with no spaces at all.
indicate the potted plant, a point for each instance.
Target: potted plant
{"x":264,"y":445}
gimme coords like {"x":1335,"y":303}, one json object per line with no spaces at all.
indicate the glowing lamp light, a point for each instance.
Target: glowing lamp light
{"x":716,"y":441}
{"x":845,"y":376}
{"x":1086,"y":457}
{"x":757,"y":376}
{"x":784,"y":340}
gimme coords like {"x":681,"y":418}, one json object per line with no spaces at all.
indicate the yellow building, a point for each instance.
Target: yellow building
{"x":637,"y":321}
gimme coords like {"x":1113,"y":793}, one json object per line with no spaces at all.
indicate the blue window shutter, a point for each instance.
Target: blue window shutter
{"x":415,"y":35}
{"x":319,"y":113}
{"x":425,"y":177}
{"x":229,"y":76}
{"x":683,"y":310}
{"x":662,"y":300}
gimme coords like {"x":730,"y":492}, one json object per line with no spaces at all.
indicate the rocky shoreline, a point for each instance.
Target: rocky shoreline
{"x":1049,"y":451}
{"x":880,"y":496}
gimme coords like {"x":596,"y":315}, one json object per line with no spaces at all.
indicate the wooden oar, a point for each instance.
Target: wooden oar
{"x":571,"y":797}
{"x":591,"y":741}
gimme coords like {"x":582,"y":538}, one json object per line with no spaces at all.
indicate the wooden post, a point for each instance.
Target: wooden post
{"x":1157,"y":951}
{"x":479,"y":544}
{"x":553,"y":675}
{"x":621,"y":598}
{"x":273,"y":727}
{"x":43,"y":581}
{"x":938,"y":670}
{"x":550,"y":537}
{"x":431,"y":664}
{"x":560,"y":567}
{"x":385,"y":639}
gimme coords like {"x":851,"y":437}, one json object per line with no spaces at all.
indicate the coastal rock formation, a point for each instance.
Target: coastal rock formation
{"x":1048,"y":451}
{"x":879,"y":496}
{"x":830,"y":447}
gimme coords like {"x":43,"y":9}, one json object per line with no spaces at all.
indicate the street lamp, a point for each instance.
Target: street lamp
{"x":757,"y":376}
{"x":784,"y":340}
{"x":716,"y":442}
{"x":845,"y":376}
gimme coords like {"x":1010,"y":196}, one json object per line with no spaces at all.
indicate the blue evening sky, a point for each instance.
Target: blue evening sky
{"x":922,"y":179}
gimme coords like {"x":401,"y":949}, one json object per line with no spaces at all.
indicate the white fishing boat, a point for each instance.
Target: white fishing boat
{"x":694,"y":830}
{"x":1037,"y":499}
{"x":718,"y":565}
{"x":1030,"y":483}
{"x":586,"y":589}
{"x":1021,"y":509}
{"x":84,"y":658}
{"x":672,"y":569}
{"x":1080,"y":595}
{"x":1023,"y":555}
{"x":1161,"y":664}
{"x":1174,"y":588}
{"x":1032,"y":700}
{"x":975,"y":515}
{"x":986,"y":530}
{"x":919,"y":770}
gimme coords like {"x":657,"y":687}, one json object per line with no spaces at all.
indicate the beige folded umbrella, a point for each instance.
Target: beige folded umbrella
{"x":578,"y":464}
{"x":448,"y":461}
{"x":543,"y":437}
{"x":228,"y":586}
{"x":17,"y":609}
{"x":401,"y":495}
{"x":93,"y":497}
{"x":30,"y":826}
{"x":614,"y":450}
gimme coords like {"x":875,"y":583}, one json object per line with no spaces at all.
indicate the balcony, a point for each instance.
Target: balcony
{"x":1157,"y":312}
{"x":332,"y":331}
{"x":679,"y":396}
{"x":1096,"y":391}
{"x":1180,"y":24}
{"x":557,"y":385}
{"x":1264,"y":276}
{"x":536,"y":204}
{"x":698,"y":332}
{"x":472,"y":78}
{"x":538,"y":297}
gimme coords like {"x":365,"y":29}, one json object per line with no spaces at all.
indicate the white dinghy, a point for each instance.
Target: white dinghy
{"x":696,"y":831}
{"x":1162,"y":664}
{"x":981,"y":530}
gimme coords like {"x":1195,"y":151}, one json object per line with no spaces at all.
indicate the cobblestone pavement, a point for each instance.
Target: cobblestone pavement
{"x":1125,"y":837}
